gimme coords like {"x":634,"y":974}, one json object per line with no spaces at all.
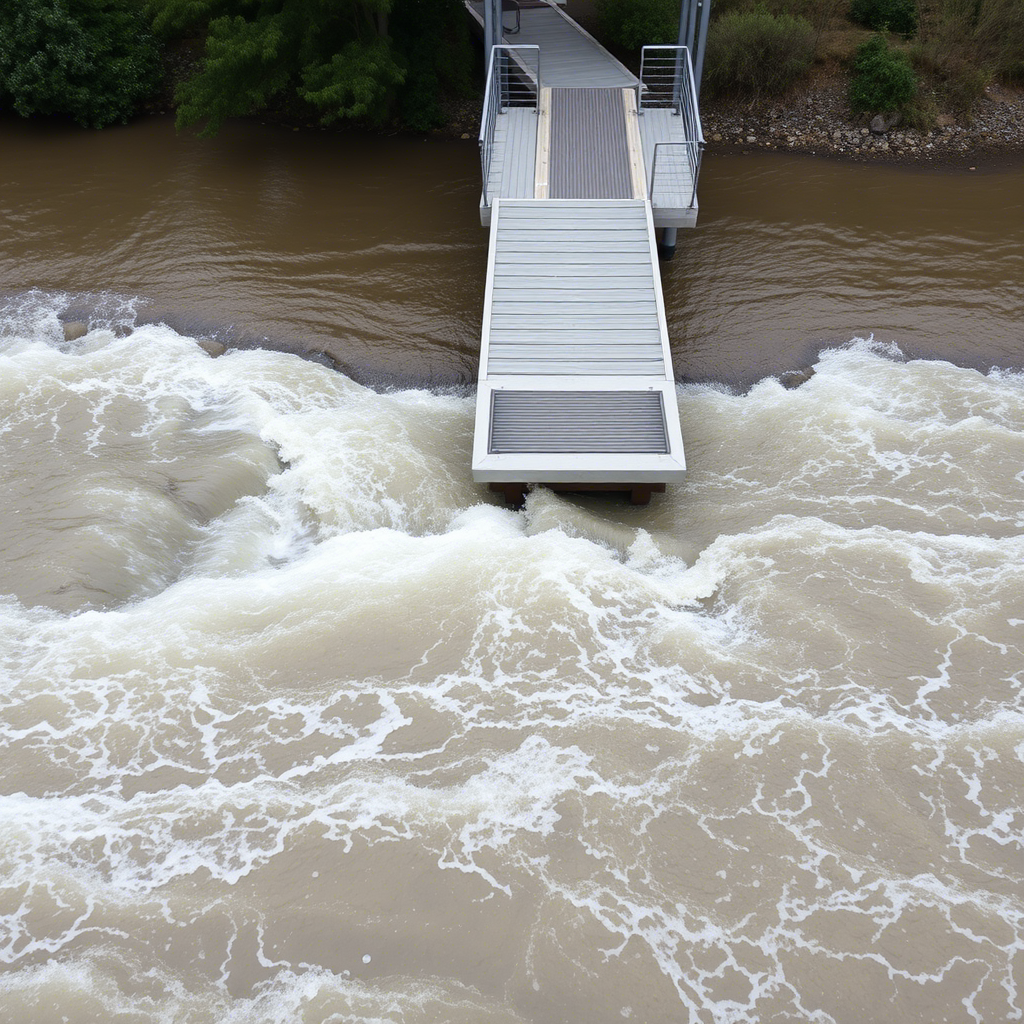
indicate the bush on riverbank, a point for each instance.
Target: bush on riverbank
{"x":899,"y":16}
{"x":91,"y":60}
{"x":631,"y":24}
{"x":999,"y":37}
{"x":371,"y":61}
{"x":757,"y":54}
{"x":883,"y":79}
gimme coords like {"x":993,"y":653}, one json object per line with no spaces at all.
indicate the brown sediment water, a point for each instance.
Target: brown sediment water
{"x":299,"y":724}
{"x":370,"y":248}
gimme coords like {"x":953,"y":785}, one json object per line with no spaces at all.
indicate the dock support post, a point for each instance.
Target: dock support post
{"x":667,"y":248}
{"x":493,"y":28}
{"x":702,"y":39}
{"x":514,"y":494}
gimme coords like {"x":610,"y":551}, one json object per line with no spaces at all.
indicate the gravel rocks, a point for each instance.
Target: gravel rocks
{"x":819,"y":121}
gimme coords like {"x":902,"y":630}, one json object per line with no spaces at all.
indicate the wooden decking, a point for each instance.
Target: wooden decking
{"x":672,"y":194}
{"x":573,"y":288}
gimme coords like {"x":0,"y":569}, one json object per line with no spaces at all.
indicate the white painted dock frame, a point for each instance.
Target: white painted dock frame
{"x":575,"y":381}
{"x":576,"y":388}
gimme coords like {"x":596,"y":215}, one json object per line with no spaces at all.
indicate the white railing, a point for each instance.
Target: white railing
{"x":666,"y":82}
{"x":513,"y":80}
{"x":676,"y":173}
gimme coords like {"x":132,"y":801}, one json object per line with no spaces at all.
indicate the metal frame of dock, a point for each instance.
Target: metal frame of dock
{"x":581,"y":161}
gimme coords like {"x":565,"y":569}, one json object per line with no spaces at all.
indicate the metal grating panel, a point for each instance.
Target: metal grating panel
{"x":578,"y":422}
{"x":589,"y":149}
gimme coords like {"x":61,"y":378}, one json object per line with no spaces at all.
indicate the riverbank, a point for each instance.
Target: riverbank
{"x":816,"y":119}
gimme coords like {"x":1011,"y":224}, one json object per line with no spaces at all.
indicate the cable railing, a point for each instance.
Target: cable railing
{"x":666,"y":83}
{"x":676,"y":173}
{"x":513,"y":80}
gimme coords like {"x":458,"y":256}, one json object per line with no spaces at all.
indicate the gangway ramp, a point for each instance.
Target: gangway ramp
{"x":579,"y":166}
{"x":572,"y":56}
{"x":576,"y":382}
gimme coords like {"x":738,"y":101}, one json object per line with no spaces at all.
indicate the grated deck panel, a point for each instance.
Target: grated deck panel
{"x":589,"y":149}
{"x":574,"y":422}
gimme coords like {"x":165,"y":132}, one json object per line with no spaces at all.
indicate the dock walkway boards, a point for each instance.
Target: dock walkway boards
{"x":576,"y":388}
{"x":572,"y":58}
{"x":576,"y":381}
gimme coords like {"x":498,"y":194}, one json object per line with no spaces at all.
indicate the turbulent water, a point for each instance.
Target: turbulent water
{"x":299,"y":725}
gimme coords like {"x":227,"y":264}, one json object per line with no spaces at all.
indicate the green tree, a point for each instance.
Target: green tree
{"x":92,"y":60}
{"x":337,"y":56}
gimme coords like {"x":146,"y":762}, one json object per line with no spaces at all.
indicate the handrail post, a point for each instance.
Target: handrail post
{"x":693,"y":150}
{"x":504,"y":89}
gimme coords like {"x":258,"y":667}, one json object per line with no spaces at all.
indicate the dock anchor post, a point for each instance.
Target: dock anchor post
{"x":515,"y":494}
{"x":667,"y":248}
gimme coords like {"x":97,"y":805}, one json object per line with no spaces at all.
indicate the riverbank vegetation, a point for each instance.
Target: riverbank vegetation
{"x":91,"y":60}
{"x":369,"y":61}
{"x":757,"y":53}
{"x":365,"y":61}
{"x":927,"y":56}
{"x":407,"y":63}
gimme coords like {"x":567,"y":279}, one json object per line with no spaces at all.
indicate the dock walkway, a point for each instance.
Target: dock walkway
{"x":572,"y":57}
{"x":576,"y":388}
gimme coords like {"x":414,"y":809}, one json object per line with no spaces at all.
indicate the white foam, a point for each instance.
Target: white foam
{"x":783,"y":697}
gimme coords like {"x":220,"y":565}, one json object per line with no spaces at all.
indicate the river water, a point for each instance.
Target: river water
{"x":299,"y":725}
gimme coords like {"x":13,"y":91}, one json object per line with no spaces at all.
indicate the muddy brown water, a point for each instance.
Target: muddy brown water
{"x":370,"y":249}
{"x":299,"y":725}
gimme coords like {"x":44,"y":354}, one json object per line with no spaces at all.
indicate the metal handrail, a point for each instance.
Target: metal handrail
{"x":513,"y":80}
{"x":693,"y":125}
{"x":660,"y":74}
{"x":693,"y":150}
{"x":667,"y":81}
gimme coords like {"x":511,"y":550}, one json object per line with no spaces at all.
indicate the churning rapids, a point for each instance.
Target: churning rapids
{"x":299,"y":726}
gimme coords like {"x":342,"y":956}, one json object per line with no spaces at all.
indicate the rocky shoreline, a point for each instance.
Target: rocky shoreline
{"x":814,"y":119}
{"x":817,"y":121}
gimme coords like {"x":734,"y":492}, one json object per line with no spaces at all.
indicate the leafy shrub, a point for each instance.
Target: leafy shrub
{"x":92,"y":60}
{"x":343,"y":59}
{"x":899,"y":16}
{"x":635,"y":23}
{"x":1000,"y":37}
{"x":757,"y":53}
{"x":883,"y":79}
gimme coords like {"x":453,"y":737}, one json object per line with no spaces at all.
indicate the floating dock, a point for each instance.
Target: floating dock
{"x":581,"y":162}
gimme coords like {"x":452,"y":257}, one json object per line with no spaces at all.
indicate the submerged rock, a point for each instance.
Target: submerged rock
{"x":75,"y":329}
{"x":212,"y":348}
